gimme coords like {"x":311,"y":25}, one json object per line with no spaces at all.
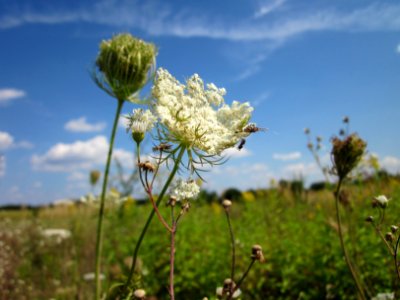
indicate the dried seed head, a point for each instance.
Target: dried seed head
{"x":227,"y":204}
{"x":307,"y":130}
{"x":229,"y":285}
{"x":140,"y":294}
{"x":347,"y":153}
{"x":342,"y":132}
{"x":394,"y":228}
{"x":369,"y":219}
{"x":346,"y":119}
{"x":310,"y":146}
{"x":319,"y":139}
{"x":147,"y":166}
{"x":257,"y":254}
{"x":172,"y":201}
{"x":186,"y":207}
{"x":389,"y":237}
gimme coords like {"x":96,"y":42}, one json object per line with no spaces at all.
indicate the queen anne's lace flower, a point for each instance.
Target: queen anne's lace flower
{"x":184,"y":190}
{"x":197,"y":117}
{"x":141,"y":121}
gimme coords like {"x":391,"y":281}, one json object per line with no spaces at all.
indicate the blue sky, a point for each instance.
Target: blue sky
{"x":300,"y":63}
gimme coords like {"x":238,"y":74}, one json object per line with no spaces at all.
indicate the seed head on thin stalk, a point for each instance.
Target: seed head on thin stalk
{"x":139,"y":294}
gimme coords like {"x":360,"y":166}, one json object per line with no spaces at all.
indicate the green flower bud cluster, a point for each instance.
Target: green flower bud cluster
{"x":124,"y":63}
{"x":347,"y":153}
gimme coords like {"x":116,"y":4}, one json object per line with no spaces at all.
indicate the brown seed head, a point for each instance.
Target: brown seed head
{"x":369,"y":219}
{"x":394,"y":228}
{"x":257,"y":254}
{"x":389,"y":237}
{"x":172,"y":201}
{"x":347,"y":153}
{"x":147,"y":166}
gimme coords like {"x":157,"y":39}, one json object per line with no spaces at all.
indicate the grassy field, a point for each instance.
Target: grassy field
{"x":298,"y":236}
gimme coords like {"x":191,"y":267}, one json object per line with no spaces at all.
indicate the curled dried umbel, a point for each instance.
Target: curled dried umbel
{"x":257,"y":254}
{"x":147,"y":166}
{"x":124,"y":63}
{"x":347,"y":153}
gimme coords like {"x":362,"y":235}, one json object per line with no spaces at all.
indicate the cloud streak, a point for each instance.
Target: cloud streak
{"x":156,"y":18}
{"x":81,"y":125}
{"x":287,"y":156}
{"x":9,"y":95}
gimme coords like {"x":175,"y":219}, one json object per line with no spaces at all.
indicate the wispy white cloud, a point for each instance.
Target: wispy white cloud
{"x":287,"y":156}
{"x":9,"y":95}
{"x":236,"y":153}
{"x":157,"y":18}
{"x":398,"y":48}
{"x":82,"y":125}
{"x":7,"y":142}
{"x":79,"y":155}
{"x":391,"y":164}
{"x":268,"y":7}
{"x":300,"y":170}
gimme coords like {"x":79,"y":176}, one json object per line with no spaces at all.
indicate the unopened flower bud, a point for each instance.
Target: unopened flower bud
{"x":139,"y":294}
{"x":227,"y":204}
{"x":389,"y":237}
{"x":94,"y":177}
{"x":394,"y":228}
{"x":369,"y":219}
{"x":257,"y":254}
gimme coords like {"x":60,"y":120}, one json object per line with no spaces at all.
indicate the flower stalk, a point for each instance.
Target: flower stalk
{"x":346,"y":255}
{"x":99,"y":234}
{"x":151,"y":215}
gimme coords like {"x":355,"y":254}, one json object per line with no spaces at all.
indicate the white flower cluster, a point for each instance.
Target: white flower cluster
{"x":382,"y":200}
{"x":184,"y":190}
{"x":141,"y":121}
{"x":197,"y":117}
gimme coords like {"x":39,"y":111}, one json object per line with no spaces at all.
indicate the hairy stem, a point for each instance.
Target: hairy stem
{"x":172,"y":256}
{"x":396,"y":262}
{"x":239,"y":283}
{"x":99,"y":235}
{"x":232,"y":243}
{"x":346,"y":255}
{"x":149,"y":219}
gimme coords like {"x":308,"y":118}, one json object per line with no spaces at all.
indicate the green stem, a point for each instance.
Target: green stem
{"x":346,"y":255}
{"x":149,"y":219}
{"x":233,"y":245}
{"x":99,"y":236}
{"x":242,"y":279}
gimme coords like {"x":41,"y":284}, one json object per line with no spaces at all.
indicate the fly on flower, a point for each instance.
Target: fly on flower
{"x":252,"y":128}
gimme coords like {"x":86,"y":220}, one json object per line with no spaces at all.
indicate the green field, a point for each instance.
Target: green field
{"x":298,"y":234}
